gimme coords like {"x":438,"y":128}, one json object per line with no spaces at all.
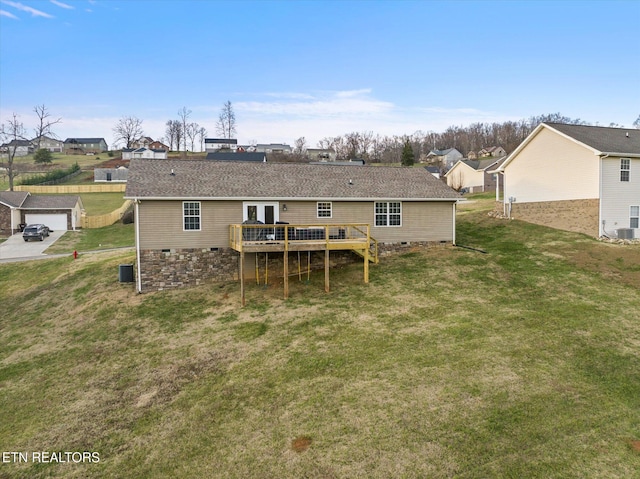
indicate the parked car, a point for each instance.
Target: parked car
{"x":36,"y":231}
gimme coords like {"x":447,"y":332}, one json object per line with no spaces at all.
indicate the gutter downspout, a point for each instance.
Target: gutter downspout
{"x":137,"y":221}
{"x":454,"y":222}
{"x":601,"y":221}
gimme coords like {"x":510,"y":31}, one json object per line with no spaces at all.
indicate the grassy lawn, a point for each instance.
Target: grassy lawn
{"x":65,"y":161}
{"x":90,"y":239}
{"x":521,"y":362}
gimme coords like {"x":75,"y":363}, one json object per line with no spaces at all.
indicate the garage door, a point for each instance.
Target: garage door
{"x":54,"y":222}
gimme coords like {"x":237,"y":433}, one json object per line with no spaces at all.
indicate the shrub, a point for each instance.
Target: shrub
{"x":43,"y":156}
{"x":51,"y":177}
{"x":128,"y":218}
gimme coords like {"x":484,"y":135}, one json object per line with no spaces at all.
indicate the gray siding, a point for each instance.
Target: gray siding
{"x":618,"y":196}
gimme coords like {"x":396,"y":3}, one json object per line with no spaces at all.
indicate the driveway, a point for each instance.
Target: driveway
{"x":16,"y":247}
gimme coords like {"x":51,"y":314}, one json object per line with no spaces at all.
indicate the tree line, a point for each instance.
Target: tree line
{"x":474,"y":137}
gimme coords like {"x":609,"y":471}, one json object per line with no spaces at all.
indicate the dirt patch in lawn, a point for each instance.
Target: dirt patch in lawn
{"x":301,"y":443}
{"x":618,"y":262}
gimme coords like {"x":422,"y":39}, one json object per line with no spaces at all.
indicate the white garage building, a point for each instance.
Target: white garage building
{"x":58,"y":212}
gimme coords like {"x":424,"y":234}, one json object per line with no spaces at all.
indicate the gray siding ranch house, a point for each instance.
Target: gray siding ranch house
{"x":211,"y":220}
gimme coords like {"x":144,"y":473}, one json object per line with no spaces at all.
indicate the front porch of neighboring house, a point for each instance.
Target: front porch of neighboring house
{"x":255,"y":237}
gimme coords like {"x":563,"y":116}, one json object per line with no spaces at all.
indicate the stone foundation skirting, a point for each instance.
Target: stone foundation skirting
{"x":190,"y":267}
{"x":186,"y":267}
{"x":579,"y":216}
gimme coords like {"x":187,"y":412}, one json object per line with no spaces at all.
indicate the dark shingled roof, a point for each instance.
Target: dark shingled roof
{"x":228,"y":179}
{"x":13,"y":198}
{"x":44,"y":202}
{"x":231,"y":156}
{"x":484,"y":163}
{"x":603,"y":139}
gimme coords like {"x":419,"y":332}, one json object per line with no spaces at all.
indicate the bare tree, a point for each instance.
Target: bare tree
{"x":202,"y":134}
{"x":184,"y":114}
{"x":44,"y":123}
{"x":11,"y":133}
{"x":192,"y":134}
{"x":129,"y":130}
{"x":226,"y":126}
{"x":300,"y":146}
{"x":325,"y":143}
{"x":173,"y":134}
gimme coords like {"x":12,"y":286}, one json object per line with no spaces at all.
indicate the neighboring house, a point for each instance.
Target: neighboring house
{"x":131,"y":153}
{"x":576,"y":178}
{"x":21,"y":148}
{"x":144,"y":142}
{"x":494,"y":151}
{"x":116,"y":175}
{"x":84,"y":146}
{"x":472,"y":155}
{"x":273,"y":148}
{"x":214,"y":144}
{"x":434,"y":170}
{"x":473,"y":175}
{"x":237,"y":156}
{"x":446,"y":157}
{"x":321,"y":154}
{"x":158,"y":145}
{"x":46,"y":143}
{"x":59,"y":212}
{"x":186,"y":211}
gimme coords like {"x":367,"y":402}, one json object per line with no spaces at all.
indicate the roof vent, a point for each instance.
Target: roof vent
{"x":350,"y":181}
{"x":627,"y":133}
{"x":172,"y":172}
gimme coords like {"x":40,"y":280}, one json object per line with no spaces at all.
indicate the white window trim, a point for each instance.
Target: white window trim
{"x":387,"y":214}
{"x":634,"y":216}
{"x":261,"y":205}
{"x":330,"y":209}
{"x":625,"y":165}
{"x":192,"y":216}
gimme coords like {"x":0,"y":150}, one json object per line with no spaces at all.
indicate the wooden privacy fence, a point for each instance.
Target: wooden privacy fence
{"x":105,"y":220}
{"x":70,"y":189}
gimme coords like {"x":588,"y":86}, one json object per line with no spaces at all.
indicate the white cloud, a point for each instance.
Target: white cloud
{"x":62,"y":5}
{"x":4,"y":13}
{"x":25,"y":8}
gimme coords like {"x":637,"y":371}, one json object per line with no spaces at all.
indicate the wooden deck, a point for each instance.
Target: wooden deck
{"x":283,"y":238}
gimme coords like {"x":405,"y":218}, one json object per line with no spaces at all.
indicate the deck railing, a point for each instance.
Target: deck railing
{"x":299,"y":237}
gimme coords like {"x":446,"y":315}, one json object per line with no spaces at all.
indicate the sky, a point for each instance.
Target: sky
{"x":317,"y":69}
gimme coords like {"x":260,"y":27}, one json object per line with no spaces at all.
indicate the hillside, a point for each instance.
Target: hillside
{"x":521,"y":362}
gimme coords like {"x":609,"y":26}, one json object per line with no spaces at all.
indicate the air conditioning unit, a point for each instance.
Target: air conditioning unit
{"x":625,"y":233}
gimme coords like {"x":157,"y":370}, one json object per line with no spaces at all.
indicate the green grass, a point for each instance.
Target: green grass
{"x":90,"y":239}
{"x":521,"y":362}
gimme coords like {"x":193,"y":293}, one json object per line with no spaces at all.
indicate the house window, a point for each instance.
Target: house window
{"x":625,"y":166}
{"x":634,"y":217}
{"x":191,"y":215}
{"x":324,"y":209}
{"x":388,"y":213}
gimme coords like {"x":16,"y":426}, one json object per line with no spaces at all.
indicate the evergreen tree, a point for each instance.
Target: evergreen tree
{"x":43,"y":156}
{"x":408,"y":158}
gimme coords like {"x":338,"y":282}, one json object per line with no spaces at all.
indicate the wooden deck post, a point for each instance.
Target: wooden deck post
{"x":326,"y":270}
{"x":366,"y":257}
{"x":366,"y":265}
{"x":242,"y":277}
{"x":286,"y":274}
